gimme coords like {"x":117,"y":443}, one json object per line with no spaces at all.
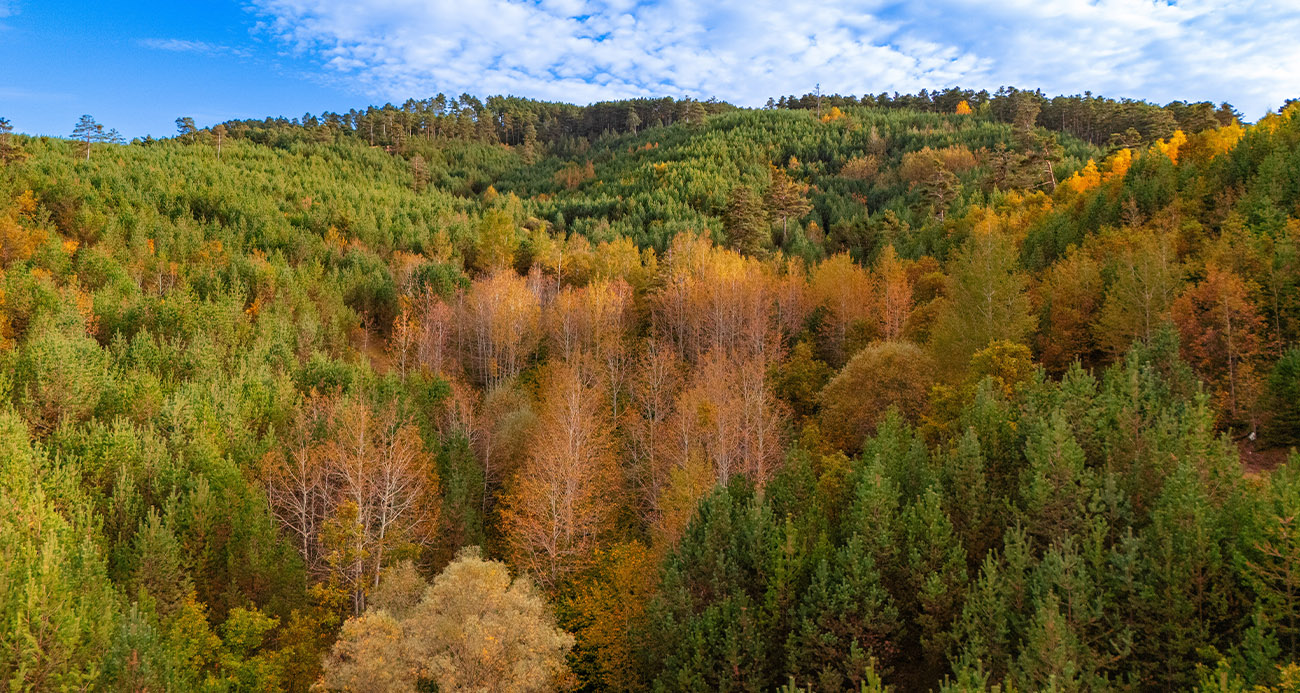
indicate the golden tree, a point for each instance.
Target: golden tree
{"x":498,"y":326}
{"x":1219,"y":332}
{"x":847,"y":293}
{"x":654,"y":386}
{"x":895,"y":294}
{"x":883,"y":375}
{"x":473,"y":629}
{"x":355,"y":489}
{"x":559,"y":503}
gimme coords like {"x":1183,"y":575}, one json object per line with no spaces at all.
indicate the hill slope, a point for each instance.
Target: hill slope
{"x":892,"y":395}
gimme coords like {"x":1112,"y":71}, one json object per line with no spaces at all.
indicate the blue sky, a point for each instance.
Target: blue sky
{"x":136,"y":66}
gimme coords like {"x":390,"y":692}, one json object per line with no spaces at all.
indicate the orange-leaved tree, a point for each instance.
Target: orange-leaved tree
{"x":356,"y":490}
{"x":1219,"y":331}
{"x":559,"y":505}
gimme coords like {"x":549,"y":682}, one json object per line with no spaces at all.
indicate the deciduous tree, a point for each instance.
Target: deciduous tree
{"x":987,"y":301}
{"x":1219,"y":331}
{"x":883,"y":375}
{"x":474,"y":628}
{"x":356,"y":489}
{"x":559,"y":505}
{"x":1147,"y":278}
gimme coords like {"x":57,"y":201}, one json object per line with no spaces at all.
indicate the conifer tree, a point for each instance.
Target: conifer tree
{"x":88,"y":132}
{"x":7,"y":148}
{"x":846,"y":621}
{"x":936,"y":566}
{"x":186,"y":129}
{"x":785,"y":199}
{"x":1283,"y":401}
{"x":744,"y":222}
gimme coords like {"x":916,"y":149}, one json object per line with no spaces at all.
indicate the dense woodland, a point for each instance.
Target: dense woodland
{"x":952,"y":391}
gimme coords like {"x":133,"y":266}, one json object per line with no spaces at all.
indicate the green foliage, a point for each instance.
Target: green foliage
{"x":846,"y":622}
{"x":1283,"y":400}
{"x":717,"y":622}
{"x":56,"y":603}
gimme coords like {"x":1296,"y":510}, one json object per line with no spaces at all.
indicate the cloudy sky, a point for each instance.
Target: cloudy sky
{"x":138,"y":65}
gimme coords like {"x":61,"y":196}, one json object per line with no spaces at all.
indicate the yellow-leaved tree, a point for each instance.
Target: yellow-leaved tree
{"x":473,"y":629}
{"x":559,"y":504}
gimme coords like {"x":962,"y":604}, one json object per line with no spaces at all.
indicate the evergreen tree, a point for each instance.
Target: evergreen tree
{"x":1274,"y":561}
{"x":88,"y":132}
{"x":57,"y":606}
{"x":1283,"y":398}
{"x":785,"y":199}
{"x":936,"y":566}
{"x":846,"y":621}
{"x":1055,"y":487}
{"x":976,"y":512}
{"x":8,"y":151}
{"x":744,"y":222}
{"x":186,"y":129}
{"x":714,"y":625}
{"x":159,"y":575}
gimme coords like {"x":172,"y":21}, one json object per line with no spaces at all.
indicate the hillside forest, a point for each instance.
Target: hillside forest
{"x":950,"y":391}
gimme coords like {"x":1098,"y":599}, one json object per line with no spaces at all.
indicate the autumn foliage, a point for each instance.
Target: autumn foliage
{"x":953,"y":391}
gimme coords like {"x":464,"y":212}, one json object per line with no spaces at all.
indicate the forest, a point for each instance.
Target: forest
{"x":949,"y":391}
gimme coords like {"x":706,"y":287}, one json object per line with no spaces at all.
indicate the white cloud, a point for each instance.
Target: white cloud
{"x":174,"y":45}
{"x":1244,"y":51}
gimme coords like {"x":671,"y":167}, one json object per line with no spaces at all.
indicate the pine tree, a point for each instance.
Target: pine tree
{"x":709,"y":628}
{"x":785,"y":199}
{"x":744,"y":222}
{"x":1283,"y":401}
{"x":186,"y":129}
{"x":695,"y":113}
{"x":419,"y":173}
{"x":57,"y":602}
{"x":976,"y":515}
{"x":936,"y":567}
{"x":1055,"y":487}
{"x":88,"y":132}
{"x":846,"y":620}
{"x":1275,"y":558}
{"x":1186,"y":599}
{"x":8,"y":150}
{"x":1049,"y":657}
{"x":159,"y":574}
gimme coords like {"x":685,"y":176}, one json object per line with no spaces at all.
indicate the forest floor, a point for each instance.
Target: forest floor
{"x":1257,"y":459}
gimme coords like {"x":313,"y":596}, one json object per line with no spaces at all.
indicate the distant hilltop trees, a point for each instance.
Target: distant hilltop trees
{"x":528,"y":123}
